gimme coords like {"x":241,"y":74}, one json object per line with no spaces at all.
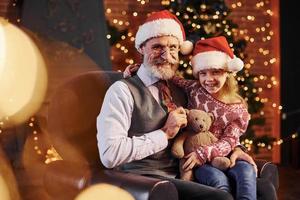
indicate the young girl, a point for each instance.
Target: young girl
{"x":215,"y":92}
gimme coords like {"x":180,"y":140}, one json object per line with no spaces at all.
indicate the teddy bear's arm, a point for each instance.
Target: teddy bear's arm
{"x":177,"y":148}
{"x":211,"y":136}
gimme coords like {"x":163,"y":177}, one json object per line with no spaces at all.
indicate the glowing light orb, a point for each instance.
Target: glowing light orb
{"x":4,"y":192}
{"x":23,"y":77}
{"x":104,"y":191}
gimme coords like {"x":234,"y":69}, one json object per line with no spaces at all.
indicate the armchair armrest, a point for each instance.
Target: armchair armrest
{"x":140,"y":187}
{"x":65,"y":179}
{"x":268,"y":170}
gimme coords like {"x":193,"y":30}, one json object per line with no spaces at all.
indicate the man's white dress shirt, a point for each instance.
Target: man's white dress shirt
{"x":113,"y":123}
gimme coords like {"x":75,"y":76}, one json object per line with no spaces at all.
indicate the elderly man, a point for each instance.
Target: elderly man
{"x":139,"y":117}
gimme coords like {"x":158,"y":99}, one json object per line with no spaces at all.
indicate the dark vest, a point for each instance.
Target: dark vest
{"x":147,"y":116}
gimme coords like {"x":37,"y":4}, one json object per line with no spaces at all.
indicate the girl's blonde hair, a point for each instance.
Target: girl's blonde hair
{"x":231,"y":89}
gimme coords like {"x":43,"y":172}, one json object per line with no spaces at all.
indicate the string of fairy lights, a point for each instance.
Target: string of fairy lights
{"x":121,"y":24}
{"x":263,"y":33}
{"x":262,"y":37}
{"x":49,"y":154}
{"x":249,"y":143}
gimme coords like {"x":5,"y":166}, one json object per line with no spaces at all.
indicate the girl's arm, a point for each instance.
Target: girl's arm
{"x":228,"y":141}
{"x":181,"y":82}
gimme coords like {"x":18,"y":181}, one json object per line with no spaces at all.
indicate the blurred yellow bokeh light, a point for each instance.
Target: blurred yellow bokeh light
{"x":104,"y":191}
{"x":23,"y":76}
{"x":4,"y":193}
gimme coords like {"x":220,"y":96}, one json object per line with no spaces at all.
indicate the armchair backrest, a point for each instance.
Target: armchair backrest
{"x":72,"y":115}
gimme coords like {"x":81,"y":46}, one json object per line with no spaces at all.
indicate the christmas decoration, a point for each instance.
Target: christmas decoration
{"x":161,"y":23}
{"x":215,"y":53}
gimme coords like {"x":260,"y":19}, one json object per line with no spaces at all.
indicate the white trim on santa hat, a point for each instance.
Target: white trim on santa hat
{"x":156,"y":28}
{"x":209,"y":60}
{"x":215,"y":60}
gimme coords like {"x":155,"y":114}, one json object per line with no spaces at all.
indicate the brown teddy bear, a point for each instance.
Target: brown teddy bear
{"x":195,"y":135}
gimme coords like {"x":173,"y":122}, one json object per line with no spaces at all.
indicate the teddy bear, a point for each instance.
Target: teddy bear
{"x":195,"y":135}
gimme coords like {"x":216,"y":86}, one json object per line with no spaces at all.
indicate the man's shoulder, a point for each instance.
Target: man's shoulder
{"x":118,"y":90}
{"x":117,"y":87}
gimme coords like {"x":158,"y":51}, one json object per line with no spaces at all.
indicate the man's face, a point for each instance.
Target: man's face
{"x":161,"y":56}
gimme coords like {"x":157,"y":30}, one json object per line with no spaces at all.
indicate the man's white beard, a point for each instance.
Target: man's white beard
{"x":163,"y":69}
{"x":162,"y":72}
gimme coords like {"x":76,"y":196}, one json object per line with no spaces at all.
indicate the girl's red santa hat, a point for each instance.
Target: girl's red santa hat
{"x":215,"y":53}
{"x":163,"y":23}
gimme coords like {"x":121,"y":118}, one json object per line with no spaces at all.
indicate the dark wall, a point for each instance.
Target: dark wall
{"x":77,"y":22}
{"x":290,"y":80}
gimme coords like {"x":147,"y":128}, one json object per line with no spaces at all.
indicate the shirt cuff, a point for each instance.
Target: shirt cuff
{"x":201,"y":155}
{"x":159,"y":138}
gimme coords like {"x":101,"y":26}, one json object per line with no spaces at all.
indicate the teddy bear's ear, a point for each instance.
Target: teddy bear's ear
{"x":211,"y":116}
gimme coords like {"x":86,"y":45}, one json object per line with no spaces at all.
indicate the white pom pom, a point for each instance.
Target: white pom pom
{"x":235,"y":64}
{"x":186,"y":47}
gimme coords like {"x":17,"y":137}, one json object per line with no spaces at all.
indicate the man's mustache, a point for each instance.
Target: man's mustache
{"x":160,"y":61}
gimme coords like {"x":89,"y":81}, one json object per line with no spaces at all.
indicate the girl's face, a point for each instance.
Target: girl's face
{"x":212,"y":80}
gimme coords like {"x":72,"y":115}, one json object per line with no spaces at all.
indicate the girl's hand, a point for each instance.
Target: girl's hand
{"x":239,"y":154}
{"x":192,"y":160}
{"x":130,"y":70}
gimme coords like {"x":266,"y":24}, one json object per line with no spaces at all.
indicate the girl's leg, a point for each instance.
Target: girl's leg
{"x":211,"y":176}
{"x":244,"y":177}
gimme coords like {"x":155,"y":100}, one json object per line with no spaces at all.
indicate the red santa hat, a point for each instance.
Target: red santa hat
{"x":215,"y":53}
{"x":163,"y":23}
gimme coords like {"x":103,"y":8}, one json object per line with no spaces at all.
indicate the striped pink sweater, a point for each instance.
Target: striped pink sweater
{"x":231,"y":120}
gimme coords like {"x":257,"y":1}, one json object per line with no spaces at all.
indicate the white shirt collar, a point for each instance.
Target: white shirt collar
{"x":146,"y":76}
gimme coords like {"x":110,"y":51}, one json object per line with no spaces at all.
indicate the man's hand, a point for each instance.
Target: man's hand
{"x":176,"y":120}
{"x":241,"y":155}
{"x":192,"y":160}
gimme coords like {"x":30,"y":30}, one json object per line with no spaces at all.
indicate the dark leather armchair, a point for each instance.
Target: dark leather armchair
{"x":72,"y":128}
